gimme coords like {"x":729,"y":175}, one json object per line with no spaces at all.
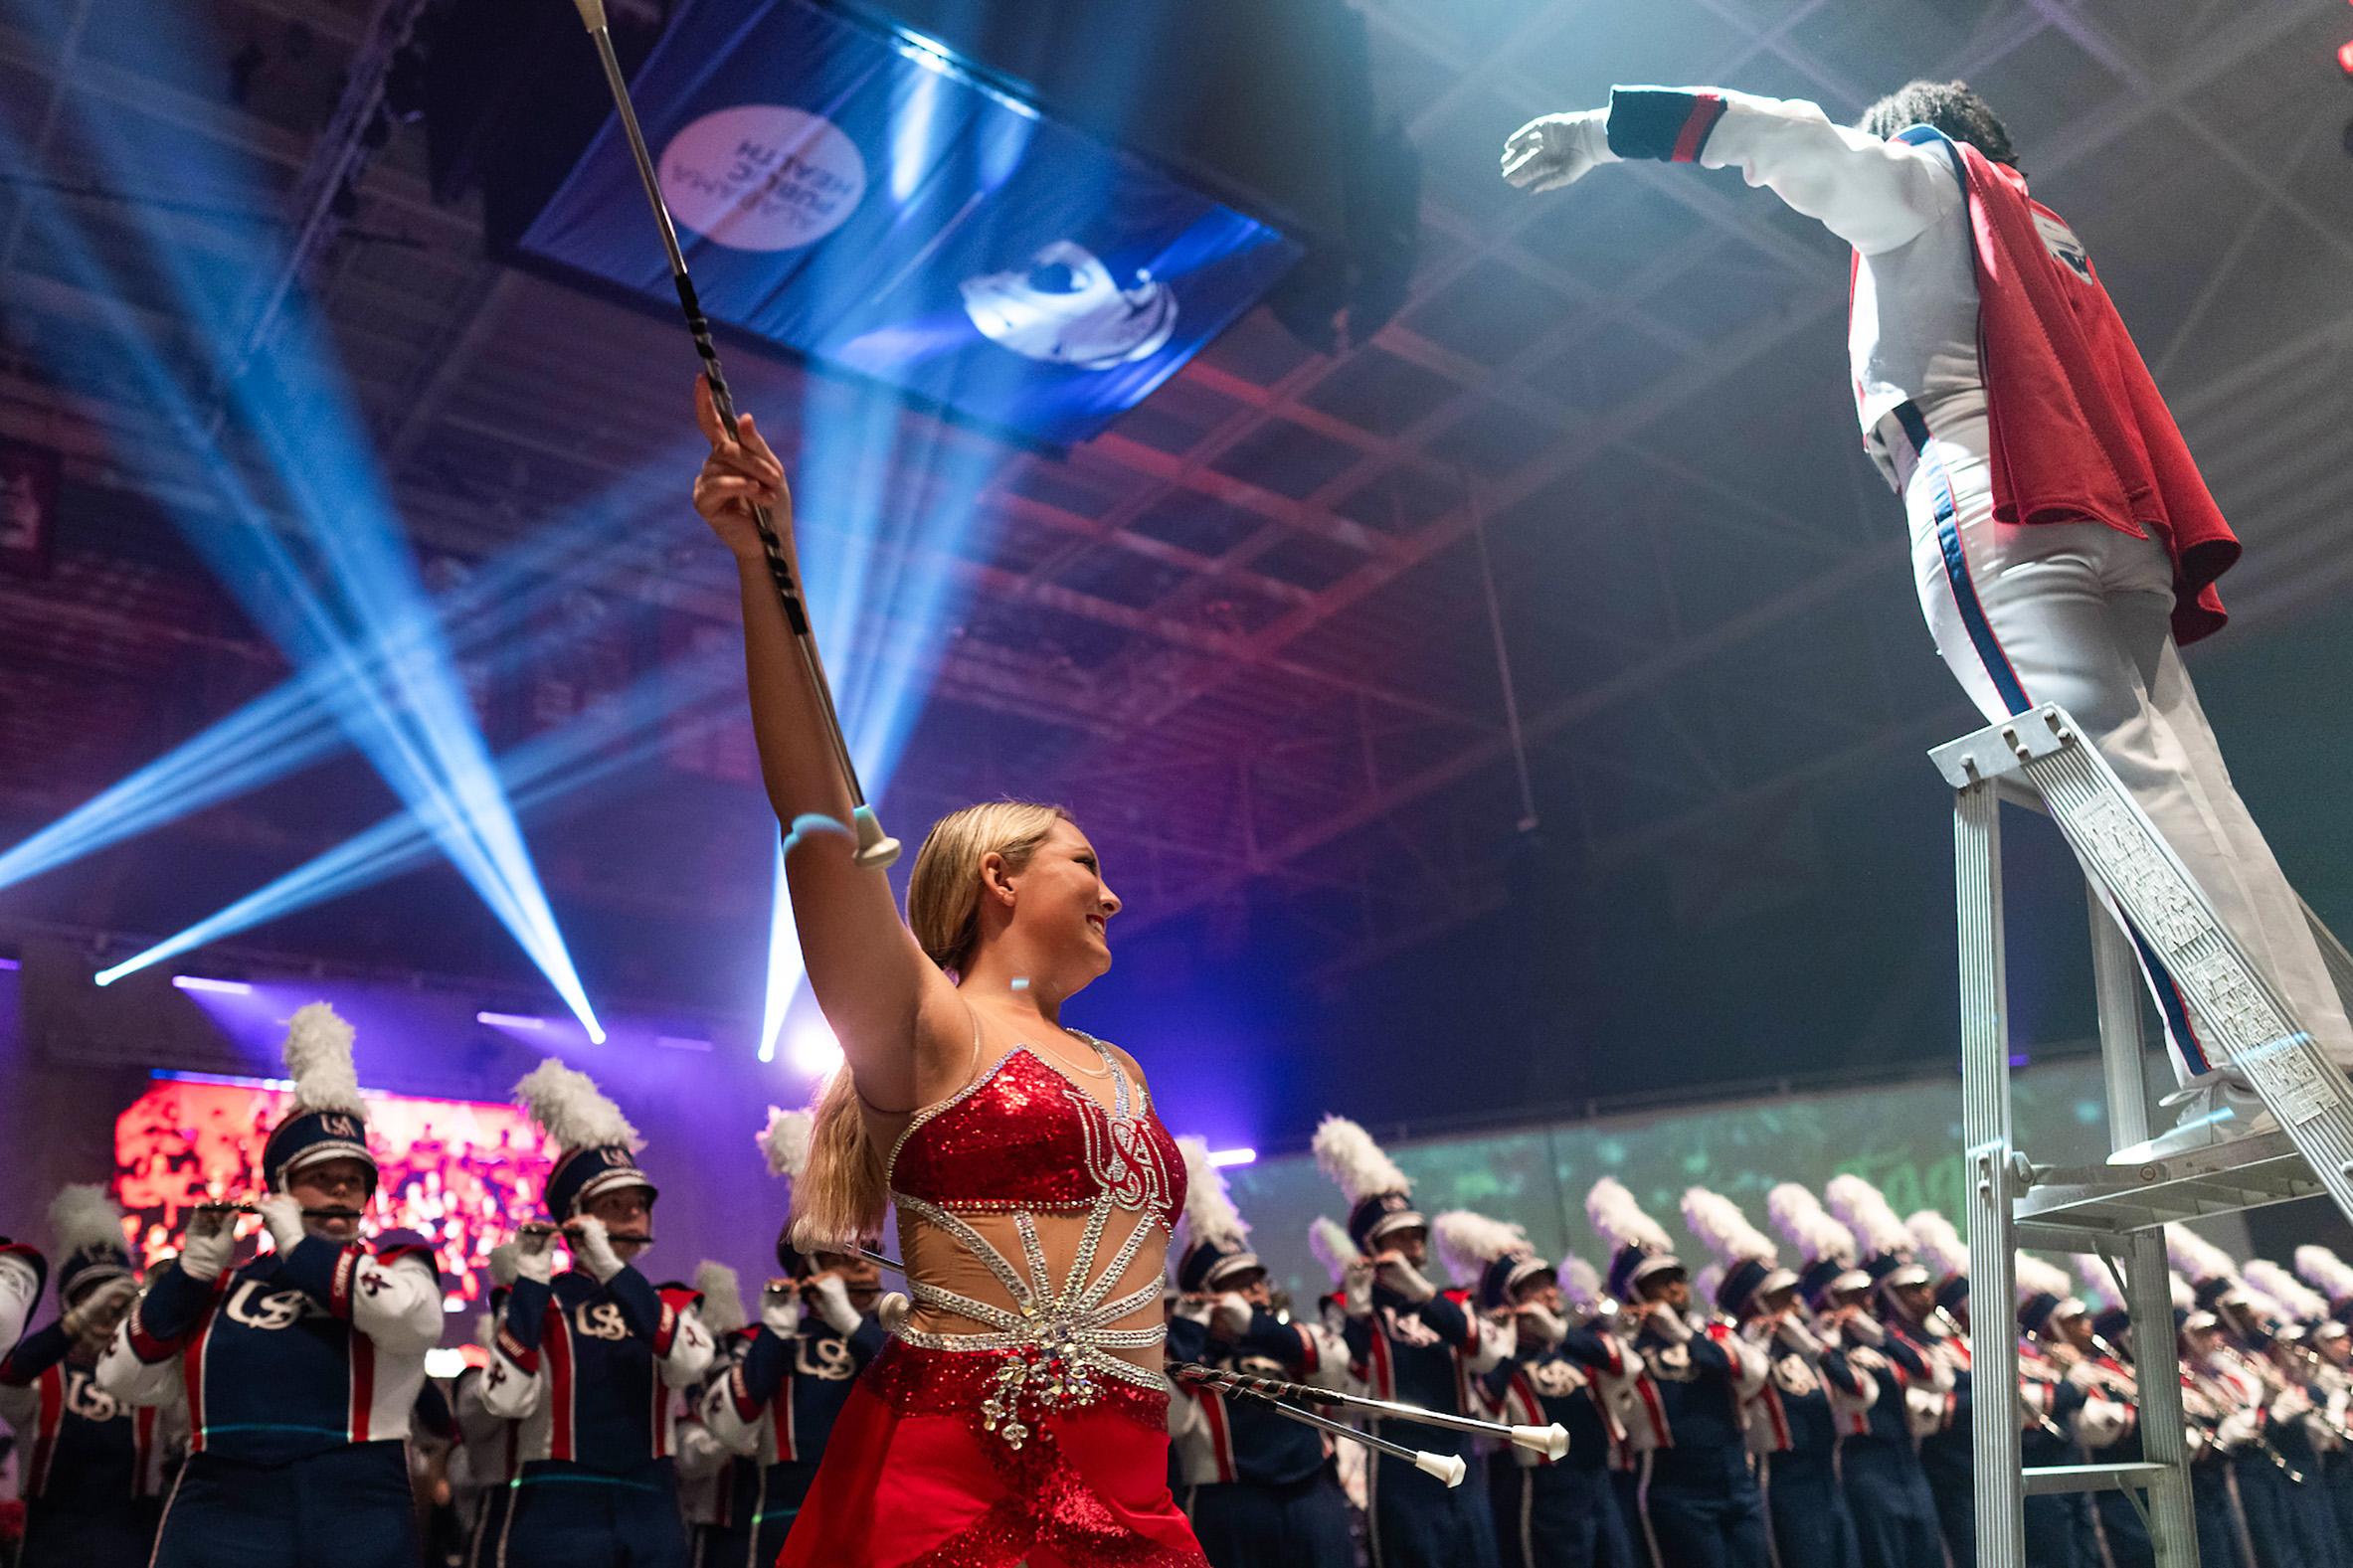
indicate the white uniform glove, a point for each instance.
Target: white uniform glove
{"x":2238,"y":1430}
{"x":1229,"y":1317}
{"x":1670,"y":1325}
{"x":833,"y":1304}
{"x":780,"y":1309}
{"x":281,"y":1215}
{"x":204,"y":1251}
{"x":1408,"y":1281}
{"x":1357,"y":1289}
{"x":1554,"y":150}
{"x":102,"y":1307}
{"x":593,"y":1247}
{"x":535,"y":1256}
{"x":1540,"y":1325}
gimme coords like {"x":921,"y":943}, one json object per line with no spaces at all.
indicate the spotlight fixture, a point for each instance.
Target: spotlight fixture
{"x":1233,"y":1156}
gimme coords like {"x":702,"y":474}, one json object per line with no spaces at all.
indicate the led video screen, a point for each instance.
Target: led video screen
{"x":854,"y":192}
{"x":456,"y":1172}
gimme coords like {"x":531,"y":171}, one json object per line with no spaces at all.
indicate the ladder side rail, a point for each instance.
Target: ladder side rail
{"x":1995,"y":1447}
{"x":2164,"y":1430}
{"x":2115,"y":981}
{"x":2245,"y":1016}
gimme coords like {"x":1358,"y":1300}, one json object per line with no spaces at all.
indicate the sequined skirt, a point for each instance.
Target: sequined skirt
{"x":912,"y":1477}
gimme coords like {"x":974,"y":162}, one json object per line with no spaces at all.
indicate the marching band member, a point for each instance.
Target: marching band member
{"x":487,"y":1464}
{"x":1699,"y":1501}
{"x":1410,"y":1341}
{"x":1935,"y":1317}
{"x":2219,"y":1424}
{"x":91,"y":1469}
{"x":23,"y":1271}
{"x":2300,"y":1423}
{"x":716,"y":1486}
{"x":2100,"y":1337}
{"x":1627,"y":1398}
{"x":2065,"y":1412}
{"x":1262,"y":1491}
{"x":791,"y":1376}
{"x":587,"y":1361}
{"x":1327,"y":1240}
{"x":1886,"y":1495}
{"x":1548,"y":1513}
{"x":1792,"y":1424}
{"x":300,"y":1369}
{"x":1904,"y":1303}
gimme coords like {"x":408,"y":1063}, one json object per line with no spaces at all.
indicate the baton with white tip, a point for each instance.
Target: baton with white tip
{"x":1550,"y":1441}
{"x":1449,"y":1468}
{"x":875,"y":848}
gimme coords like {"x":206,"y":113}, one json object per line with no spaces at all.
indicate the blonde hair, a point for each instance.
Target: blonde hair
{"x":840,"y":1200}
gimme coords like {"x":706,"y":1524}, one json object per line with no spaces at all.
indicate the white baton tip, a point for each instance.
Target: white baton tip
{"x":1552,"y":1441}
{"x":1448,"y":1468}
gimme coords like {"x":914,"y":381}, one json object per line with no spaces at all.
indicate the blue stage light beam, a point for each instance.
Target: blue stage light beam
{"x":559,"y":764}
{"x":293,"y":726}
{"x":291,"y":404}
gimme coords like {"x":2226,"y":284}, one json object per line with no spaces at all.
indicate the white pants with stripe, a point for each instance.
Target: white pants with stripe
{"x":2082,"y":615}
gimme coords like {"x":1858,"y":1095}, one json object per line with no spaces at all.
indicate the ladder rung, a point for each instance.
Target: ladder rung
{"x":2116,"y":1199}
{"x":2090,"y":1478}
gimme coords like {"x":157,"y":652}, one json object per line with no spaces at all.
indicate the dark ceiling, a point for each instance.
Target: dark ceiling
{"x":1251,"y":635}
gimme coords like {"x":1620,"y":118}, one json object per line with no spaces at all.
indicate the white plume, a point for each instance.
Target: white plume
{"x":318,"y":1060}
{"x":1328,"y":1240}
{"x":83,"y":1216}
{"x":2099,"y":1288}
{"x":572,"y":1110}
{"x":1723,"y":1229}
{"x":2265,"y":1304}
{"x":723,"y":1298}
{"x":1866,"y":1211}
{"x":1802,"y":1221}
{"x":2038,"y":1276}
{"x":1619,"y":1220}
{"x":504,"y":1268}
{"x":1209,"y":1212}
{"x":1938,"y":1244}
{"x":1346,"y":1154}
{"x":2184,"y":1297}
{"x":2325,"y":1272}
{"x":1469,"y":1242}
{"x":1580,"y":1282}
{"x":786,"y":1141}
{"x":2197,"y":1256}
{"x":2302,"y":1302}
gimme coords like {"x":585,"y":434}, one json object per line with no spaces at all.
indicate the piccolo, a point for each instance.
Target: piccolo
{"x":1551,"y":1441}
{"x":226,"y":1207}
{"x":1448,"y":1468}
{"x":570,"y":1231}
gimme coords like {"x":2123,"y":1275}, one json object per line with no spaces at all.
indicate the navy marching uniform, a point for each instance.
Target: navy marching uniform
{"x":776,"y":1404}
{"x":1548,"y":1513}
{"x":91,"y":1470}
{"x":300,"y":1369}
{"x":2062,"y":1415}
{"x":1262,"y":1491}
{"x":1811,"y":1394}
{"x":1880,"y":1464}
{"x":587,"y":1361}
{"x":1701,"y":1506}
{"x":1412,"y":1343}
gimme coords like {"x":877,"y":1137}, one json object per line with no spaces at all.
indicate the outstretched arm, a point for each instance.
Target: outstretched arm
{"x":1875,"y":195}
{"x":886,"y":1002}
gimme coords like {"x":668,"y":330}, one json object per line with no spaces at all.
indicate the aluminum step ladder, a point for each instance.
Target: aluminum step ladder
{"x":2040,"y":759}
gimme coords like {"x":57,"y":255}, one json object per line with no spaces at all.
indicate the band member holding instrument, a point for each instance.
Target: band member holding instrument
{"x":589,"y":1360}
{"x":300,"y":1367}
{"x":1262,"y":1491}
{"x":1021,"y":1409}
{"x":793,"y":1370}
{"x":1411,"y":1340}
{"x":91,"y":1474}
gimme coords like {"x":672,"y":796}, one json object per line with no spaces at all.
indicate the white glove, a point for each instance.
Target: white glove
{"x":1229,"y":1317}
{"x":593,"y":1247}
{"x":1670,"y":1325}
{"x":1541,"y":1326}
{"x":1864,"y":1329}
{"x":1408,"y":1281}
{"x":780,"y":1309}
{"x":1357,"y":1289}
{"x":832,"y":1303}
{"x":1502,"y":1339}
{"x":281,"y":1215}
{"x":204,"y":1251}
{"x":102,"y":1307}
{"x":1554,"y":150}
{"x":2238,"y":1430}
{"x":535,"y":1256}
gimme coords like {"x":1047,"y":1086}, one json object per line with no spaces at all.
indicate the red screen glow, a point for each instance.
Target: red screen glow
{"x":458,"y":1171}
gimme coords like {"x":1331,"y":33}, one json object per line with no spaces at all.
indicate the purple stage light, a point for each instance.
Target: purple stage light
{"x":510,"y":1020}
{"x":1233,"y":1156}
{"x":198,"y":983}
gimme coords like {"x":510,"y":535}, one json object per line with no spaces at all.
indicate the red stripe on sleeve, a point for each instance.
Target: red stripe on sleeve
{"x":1707,"y":109}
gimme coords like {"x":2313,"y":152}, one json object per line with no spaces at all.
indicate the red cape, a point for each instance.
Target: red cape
{"x":2079,"y":430}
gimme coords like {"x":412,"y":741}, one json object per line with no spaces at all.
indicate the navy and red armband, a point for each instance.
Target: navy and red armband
{"x":1663,"y":123}
{"x":674,"y":1302}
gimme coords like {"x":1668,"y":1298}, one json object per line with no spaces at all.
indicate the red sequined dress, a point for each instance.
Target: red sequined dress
{"x":1002,"y":1426}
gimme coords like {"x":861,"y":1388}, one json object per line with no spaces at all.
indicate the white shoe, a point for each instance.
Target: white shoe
{"x":2216,"y":1110}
